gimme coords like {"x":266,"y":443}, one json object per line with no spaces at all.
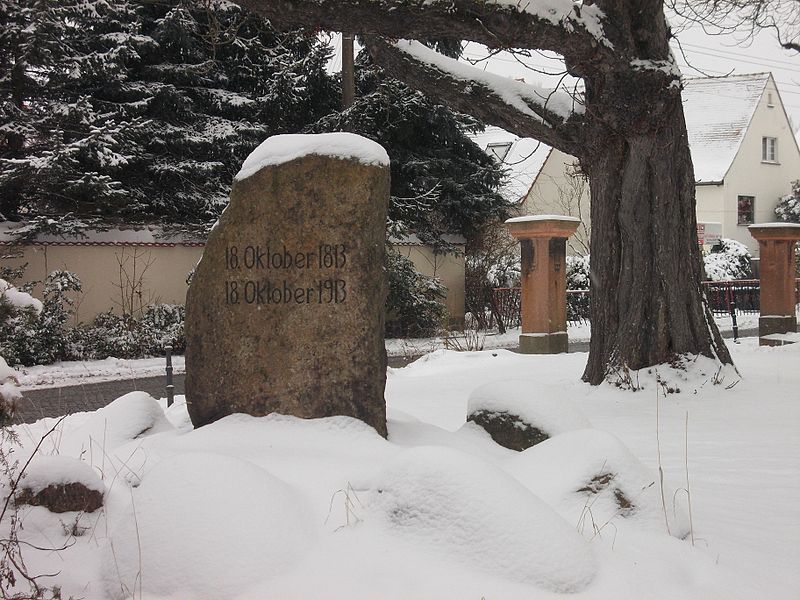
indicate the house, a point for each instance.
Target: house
{"x":126,"y":270}
{"x":744,"y":152}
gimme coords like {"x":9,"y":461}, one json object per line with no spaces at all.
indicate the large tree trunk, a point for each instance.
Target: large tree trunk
{"x":647,"y":303}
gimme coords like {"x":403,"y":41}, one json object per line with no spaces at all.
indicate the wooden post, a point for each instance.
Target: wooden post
{"x":777,"y":276}
{"x":543,"y":242}
{"x":348,"y":71}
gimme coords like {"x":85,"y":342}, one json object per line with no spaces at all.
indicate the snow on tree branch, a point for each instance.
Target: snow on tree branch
{"x":573,"y":29}
{"x":553,"y":117}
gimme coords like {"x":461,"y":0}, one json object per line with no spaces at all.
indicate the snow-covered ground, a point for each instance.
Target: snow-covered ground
{"x":86,"y":372}
{"x":282,"y":508}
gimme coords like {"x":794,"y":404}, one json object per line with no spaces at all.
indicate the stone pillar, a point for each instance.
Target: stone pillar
{"x":777,"y":275}
{"x":543,"y":241}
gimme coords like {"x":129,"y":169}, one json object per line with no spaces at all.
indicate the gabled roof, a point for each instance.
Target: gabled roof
{"x":524,"y":159}
{"x":718,"y":112}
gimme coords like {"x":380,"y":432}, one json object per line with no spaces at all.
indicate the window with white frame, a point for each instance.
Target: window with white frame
{"x":769,"y":149}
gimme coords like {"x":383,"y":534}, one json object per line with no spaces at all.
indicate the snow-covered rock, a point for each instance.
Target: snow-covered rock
{"x":203,"y":526}
{"x":132,"y":416}
{"x":593,"y":480}
{"x":455,"y":505}
{"x":518,"y":415}
{"x":61,"y":484}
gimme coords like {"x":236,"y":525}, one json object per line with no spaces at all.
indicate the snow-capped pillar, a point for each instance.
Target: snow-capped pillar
{"x":543,"y":241}
{"x":777,"y":275}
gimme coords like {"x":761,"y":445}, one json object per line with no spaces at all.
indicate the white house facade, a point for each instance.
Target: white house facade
{"x":744,"y":151}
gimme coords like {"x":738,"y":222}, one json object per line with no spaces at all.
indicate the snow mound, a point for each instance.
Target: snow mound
{"x":546,"y":407}
{"x":442,"y":359}
{"x":457,"y":506}
{"x":280,"y":149}
{"x":132,"y":416}
{"x":204,"y":526}
{"x":45,"y":471}
{"x":592,"y":479}
{"x":112,"y":438}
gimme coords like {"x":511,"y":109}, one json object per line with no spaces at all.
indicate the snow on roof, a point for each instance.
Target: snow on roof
{"x":718,"y":113}
{"x":280,"y":149}
{"x":523,"y":157}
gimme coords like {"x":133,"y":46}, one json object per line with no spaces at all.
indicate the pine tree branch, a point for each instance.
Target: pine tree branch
{"x":527,"y":114}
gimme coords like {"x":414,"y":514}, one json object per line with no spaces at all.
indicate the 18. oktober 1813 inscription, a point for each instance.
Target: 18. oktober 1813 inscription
{"x":261,"y":266}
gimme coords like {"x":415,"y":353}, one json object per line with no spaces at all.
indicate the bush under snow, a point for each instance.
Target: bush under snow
{"x":728,"y":260}
{"x":788,"y":208}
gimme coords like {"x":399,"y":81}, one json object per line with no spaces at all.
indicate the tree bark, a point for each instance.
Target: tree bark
{"x":647,"y":300}
{"x":646,"y":306}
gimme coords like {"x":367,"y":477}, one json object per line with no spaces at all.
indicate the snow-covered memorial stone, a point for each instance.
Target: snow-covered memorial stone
{"x":285,"y":312}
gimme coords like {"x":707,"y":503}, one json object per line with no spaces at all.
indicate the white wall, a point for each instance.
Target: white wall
{"x":560,"y":190}
{"x":749,"y":176}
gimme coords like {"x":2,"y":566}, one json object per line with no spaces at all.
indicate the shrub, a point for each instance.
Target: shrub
{"x":788,"y":208}
{"x":37,"y":333}
{"x":492,"y":261}
{"x":729,"y":259}
{"x":123,"y":336}
{"x":578,"y":274}
{"x":414,"y":304}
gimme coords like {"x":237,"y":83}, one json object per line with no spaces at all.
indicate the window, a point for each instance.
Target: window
{"x":746,"y":209}
{"x":498,"y":150}
{"x":769,"y":149}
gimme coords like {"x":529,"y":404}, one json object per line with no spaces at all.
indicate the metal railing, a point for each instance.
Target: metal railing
{"x":741,"y":295}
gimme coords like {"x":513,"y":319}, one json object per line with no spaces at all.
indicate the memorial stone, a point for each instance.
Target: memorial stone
{"x":285,"y":312}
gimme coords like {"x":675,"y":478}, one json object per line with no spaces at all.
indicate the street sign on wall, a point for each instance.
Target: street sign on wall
{"x":709,"y":233}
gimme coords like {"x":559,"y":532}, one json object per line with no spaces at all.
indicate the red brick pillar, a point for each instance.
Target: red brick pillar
{"x":777,"y":275}
{"x":543,"y":241}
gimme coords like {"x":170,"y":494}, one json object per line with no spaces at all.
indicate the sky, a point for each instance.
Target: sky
{"x":699,"y":55}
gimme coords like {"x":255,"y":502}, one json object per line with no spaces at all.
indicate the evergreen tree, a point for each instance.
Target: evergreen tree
{"x":140,"y":111}
{"x":442,"y":182}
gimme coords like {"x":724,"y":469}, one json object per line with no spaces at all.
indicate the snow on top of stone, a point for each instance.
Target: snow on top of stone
{"x":515,"y":93}
{"x":529,"y":218}
{"x":718,"y":113}
{"x":776,"y":224}
{"x":280,"y":149}
{"x":522,"y":157}
{"x":45,"y":471}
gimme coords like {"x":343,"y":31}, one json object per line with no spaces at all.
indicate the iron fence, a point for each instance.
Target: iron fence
{"x":744,"y":294}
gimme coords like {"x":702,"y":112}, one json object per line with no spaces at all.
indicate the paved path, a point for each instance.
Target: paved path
{"x":54,"y":402}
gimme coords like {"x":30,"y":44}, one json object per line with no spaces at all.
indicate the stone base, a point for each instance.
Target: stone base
{"x":777,"y":324}
{"x":543,"y":343}
{"x":770,"y":325}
